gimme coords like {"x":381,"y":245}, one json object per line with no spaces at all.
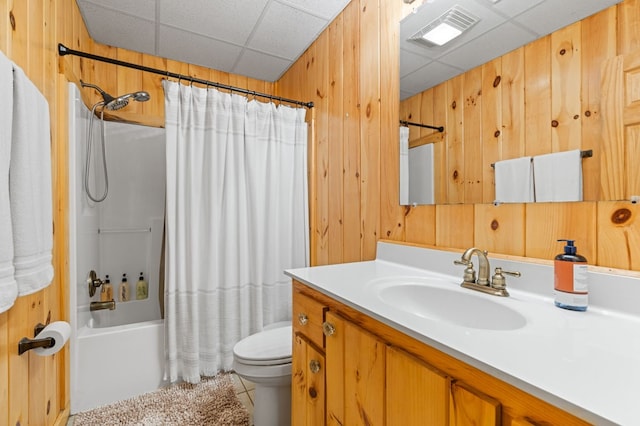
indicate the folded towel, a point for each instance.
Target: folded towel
{"x":514,"y":180}
{"x":404,"y":165}
{"x":8,"y":286}
{"x":558,"y":176}
{"x":30,"y":186}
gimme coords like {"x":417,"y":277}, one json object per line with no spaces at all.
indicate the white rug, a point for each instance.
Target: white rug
{"x":211,"y":402}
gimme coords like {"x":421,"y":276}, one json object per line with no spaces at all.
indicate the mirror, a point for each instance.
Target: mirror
{"x":500,"y":27}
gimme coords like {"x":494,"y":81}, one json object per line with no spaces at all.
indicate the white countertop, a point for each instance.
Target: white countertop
{"x":586,"y":363}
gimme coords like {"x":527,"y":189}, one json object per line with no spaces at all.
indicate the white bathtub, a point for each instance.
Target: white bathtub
{"x":116,"y":363}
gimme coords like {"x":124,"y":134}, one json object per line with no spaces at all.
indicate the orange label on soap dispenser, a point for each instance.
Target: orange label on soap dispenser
{"x":570,"y":277}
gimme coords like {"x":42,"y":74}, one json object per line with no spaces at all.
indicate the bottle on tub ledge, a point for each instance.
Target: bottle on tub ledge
{"x":142,"y":288}
{"x":123,"y":291}
{"x":106,"y":294}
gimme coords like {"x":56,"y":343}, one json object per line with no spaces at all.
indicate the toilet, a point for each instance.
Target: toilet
{"x":264,"y":358}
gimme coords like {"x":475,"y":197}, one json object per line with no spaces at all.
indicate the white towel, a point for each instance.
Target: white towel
{"x":404,"y":165}
{"x":30,"y":186}
{"x":8,"y":286}
{"x":558,"y":176}
{"x":514,"y":180}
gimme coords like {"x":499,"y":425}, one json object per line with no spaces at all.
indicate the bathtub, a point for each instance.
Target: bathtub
{"x":117,"y":362}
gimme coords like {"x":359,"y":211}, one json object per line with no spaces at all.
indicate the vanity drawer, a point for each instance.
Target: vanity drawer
{"x":308,"y":315}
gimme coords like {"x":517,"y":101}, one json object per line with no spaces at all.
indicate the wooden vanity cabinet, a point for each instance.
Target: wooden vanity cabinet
{"x":376,"y":375}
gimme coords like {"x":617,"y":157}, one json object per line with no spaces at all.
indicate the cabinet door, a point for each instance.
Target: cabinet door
{"x":307,"y":384}
{"x":355,"y":374}
{"x":417,"y":394}
{"x":468,"y":407}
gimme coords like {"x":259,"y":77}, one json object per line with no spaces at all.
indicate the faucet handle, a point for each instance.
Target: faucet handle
{"x":499,"y":281}
{"x":469,"y":274}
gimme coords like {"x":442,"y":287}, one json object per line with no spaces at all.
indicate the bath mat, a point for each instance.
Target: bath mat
{"x":213,"y":401}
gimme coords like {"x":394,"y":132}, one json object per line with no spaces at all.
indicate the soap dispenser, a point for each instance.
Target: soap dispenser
{"x":123,"y":291}
{"x":142,"y":288}
{"x":571,"y":289}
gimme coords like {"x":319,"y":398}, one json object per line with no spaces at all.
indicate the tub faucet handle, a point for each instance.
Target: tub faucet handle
{"x":93,"y":282}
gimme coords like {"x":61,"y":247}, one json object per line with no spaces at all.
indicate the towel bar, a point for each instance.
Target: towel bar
{"x":584,"y":154}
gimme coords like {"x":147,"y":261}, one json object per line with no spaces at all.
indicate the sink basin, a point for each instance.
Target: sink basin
{"x":441,"y":300}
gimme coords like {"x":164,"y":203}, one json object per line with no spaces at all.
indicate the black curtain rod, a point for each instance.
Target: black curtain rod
{"x":63,"y":50}
{"x":408,"y":123}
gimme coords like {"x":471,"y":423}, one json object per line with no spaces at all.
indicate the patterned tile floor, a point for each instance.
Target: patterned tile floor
{"x":245,"y":391}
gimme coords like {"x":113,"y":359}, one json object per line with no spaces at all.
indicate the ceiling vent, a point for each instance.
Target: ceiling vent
{"x":445,"y":28}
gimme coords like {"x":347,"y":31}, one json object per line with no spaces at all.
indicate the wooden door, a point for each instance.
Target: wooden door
{"x":416,"y":393}
{"x":620,"y":87}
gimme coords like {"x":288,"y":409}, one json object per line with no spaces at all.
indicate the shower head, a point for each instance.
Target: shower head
{"x":111,"y":103}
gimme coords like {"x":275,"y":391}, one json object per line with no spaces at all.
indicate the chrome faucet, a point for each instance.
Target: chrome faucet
{"x":97,"y":306}
{"x":498,"y":284}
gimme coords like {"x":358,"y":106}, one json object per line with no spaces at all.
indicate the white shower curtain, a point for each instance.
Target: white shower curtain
{"x":236,"y":218}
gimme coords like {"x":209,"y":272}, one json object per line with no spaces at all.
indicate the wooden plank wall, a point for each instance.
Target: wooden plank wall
{"x":35,"y":390}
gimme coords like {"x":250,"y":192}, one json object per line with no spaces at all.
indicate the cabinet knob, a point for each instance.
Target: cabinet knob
{"x":314,"y":366}
{"x":303,"y":319}
{"x":328,"y":329}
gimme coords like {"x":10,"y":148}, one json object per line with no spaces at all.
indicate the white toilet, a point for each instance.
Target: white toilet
{"x":264,"y":358}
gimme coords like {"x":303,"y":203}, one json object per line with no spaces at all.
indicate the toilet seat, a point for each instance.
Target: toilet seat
{"x":269,"y":347}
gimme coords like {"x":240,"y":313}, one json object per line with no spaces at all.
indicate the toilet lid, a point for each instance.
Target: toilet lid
{"x":269,"y":347}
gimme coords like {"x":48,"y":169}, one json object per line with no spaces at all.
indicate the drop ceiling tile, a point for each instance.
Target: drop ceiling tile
{"x":512,"y":7}
{"x":428,"y":76}
{"x":195,"y":49}
{"x":119,"y":29}
{"x":285,"y":32}
{"x":501,"y":40}
{"x":261,"y":66}
{"x":410,"y":62}
{"x":225,"y":20}
{"x":327,"y":9}
{"x":141,"y":8}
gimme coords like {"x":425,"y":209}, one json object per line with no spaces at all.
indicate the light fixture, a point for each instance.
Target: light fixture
{"x":445,"y":28}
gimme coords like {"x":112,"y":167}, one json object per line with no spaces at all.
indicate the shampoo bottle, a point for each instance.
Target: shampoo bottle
{"x":123,"y":291}
{"x":570,"y":279}
{"x":142,"y":288}
{"x":106,"y":294}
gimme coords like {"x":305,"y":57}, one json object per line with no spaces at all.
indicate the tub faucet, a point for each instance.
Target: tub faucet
{"x":97,"y":306}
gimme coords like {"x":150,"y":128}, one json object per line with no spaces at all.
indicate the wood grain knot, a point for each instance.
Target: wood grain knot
{"x":575,"y":117}
{"x":555,"y":123}
{"x":12,"y":20}
{"x":620,"y":216}
{"x":494,"y":224}
{"x":496,"y":133}
{"x":563,"y":51}
{"x":48,"y":407}
{"x":455,"y":175}
{"x":454,"y":105}
{"x":313,"y":393}
{"x":368,"y":110}
{"x":587,"y":113}
{"x":496,"y":81}
{"x":388,"y":233}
